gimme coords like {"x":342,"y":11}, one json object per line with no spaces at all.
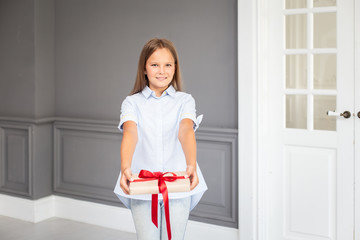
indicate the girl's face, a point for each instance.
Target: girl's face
{"x":160,"y":69}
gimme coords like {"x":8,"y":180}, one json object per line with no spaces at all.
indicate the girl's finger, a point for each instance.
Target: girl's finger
{"x":128,"y":175}
{"x":124,"y":181}
{"x":194,"y":181}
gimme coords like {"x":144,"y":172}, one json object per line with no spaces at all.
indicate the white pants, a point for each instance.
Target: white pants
{"x":146,"y":230}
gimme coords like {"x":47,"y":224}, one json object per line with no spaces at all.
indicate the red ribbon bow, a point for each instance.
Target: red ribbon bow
{"x":148,"y":176}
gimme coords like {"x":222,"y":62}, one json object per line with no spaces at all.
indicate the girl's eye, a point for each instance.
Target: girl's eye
{"x":168,"y":65}
{"x":154,"y":65}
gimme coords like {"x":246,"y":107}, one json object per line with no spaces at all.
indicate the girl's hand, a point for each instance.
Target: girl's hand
{"x":126,"y":177}
{"x":192,"y":174}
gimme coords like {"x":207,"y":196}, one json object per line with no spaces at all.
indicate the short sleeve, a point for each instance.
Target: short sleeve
{"x":189,"y":111}
{"x":128,"y":113}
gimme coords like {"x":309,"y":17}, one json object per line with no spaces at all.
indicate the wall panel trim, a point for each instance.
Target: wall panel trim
{"x":25,"y":186}
{"x":84,"y":131}
{"x":216,"y":147}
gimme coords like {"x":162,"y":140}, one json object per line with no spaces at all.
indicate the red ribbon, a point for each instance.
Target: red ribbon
{"x":148,"y":176}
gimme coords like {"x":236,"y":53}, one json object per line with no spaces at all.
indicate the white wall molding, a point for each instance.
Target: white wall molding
{"x":97,"y":214}
{"x":27,"y":210}
{"x":93,"y":213}
{"x":198,"y":230}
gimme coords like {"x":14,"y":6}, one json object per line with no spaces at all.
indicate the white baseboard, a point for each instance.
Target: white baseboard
{"x":27,"y":210}
{"x":94,"y":213}
{"x":97,"y":214}
{"x":198,"y":230}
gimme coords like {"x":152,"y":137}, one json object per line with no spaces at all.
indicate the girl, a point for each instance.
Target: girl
{"x":158,"y":122}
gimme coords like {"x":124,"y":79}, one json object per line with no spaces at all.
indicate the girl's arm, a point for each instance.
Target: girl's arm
{"x":128,"y":144}
{"x":188,"y":142}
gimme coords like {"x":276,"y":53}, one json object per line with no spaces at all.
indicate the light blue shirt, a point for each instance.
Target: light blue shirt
{"x":158,"y":148}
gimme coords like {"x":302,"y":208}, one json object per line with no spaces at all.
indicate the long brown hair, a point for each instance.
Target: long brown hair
{"x":150,"y":47}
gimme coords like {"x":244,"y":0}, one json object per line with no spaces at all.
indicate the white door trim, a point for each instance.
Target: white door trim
{"x":263,"y":114}
{"x":252,"y":31}
{"x":253,"y":114}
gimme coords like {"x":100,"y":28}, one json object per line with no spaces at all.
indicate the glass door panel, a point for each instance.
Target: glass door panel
{"x":296,"y":111}
{"x":295,"y":4}
{"x":324,"y":3}
{"x":325,"y":71}
{"x":296,"y":31}
{"x":296,"y":71}
{"x":325,"y":30}
{"x":310,"y":57}
{"x":322,"y":121}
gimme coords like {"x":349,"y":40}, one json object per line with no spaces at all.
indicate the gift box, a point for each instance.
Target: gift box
{"x":175,"y":182}
{"x":147,"y":182}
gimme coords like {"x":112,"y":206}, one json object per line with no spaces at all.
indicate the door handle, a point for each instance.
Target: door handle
{"x":358,"y":114}
{"x":345,"y":114}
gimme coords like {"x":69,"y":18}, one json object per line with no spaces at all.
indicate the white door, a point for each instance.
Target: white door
{"x":312,"y":156}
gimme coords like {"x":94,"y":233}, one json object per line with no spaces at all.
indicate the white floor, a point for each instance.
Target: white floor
{"x":57,"y":229}
{"x":64,"y":218}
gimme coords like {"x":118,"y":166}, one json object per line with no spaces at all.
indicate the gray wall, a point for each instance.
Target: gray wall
{"x":17,"y":89}
{"x":44,"y":59}
{"x":26,"y":59}
{"x":66,"y":66}
{"x":98,"y":44}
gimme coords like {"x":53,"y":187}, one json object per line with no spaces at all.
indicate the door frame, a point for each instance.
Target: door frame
{"x":252,"y":88}
{"x":253,"y":113}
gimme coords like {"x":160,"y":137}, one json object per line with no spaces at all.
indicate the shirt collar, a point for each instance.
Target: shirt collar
{"x":147,"y":92}
{"x":171,"y":91}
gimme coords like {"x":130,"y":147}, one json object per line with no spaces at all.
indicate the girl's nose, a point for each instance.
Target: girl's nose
{"x":162,"y":70}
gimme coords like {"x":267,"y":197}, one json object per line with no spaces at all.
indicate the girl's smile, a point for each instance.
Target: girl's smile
{"x":160,"y":69}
